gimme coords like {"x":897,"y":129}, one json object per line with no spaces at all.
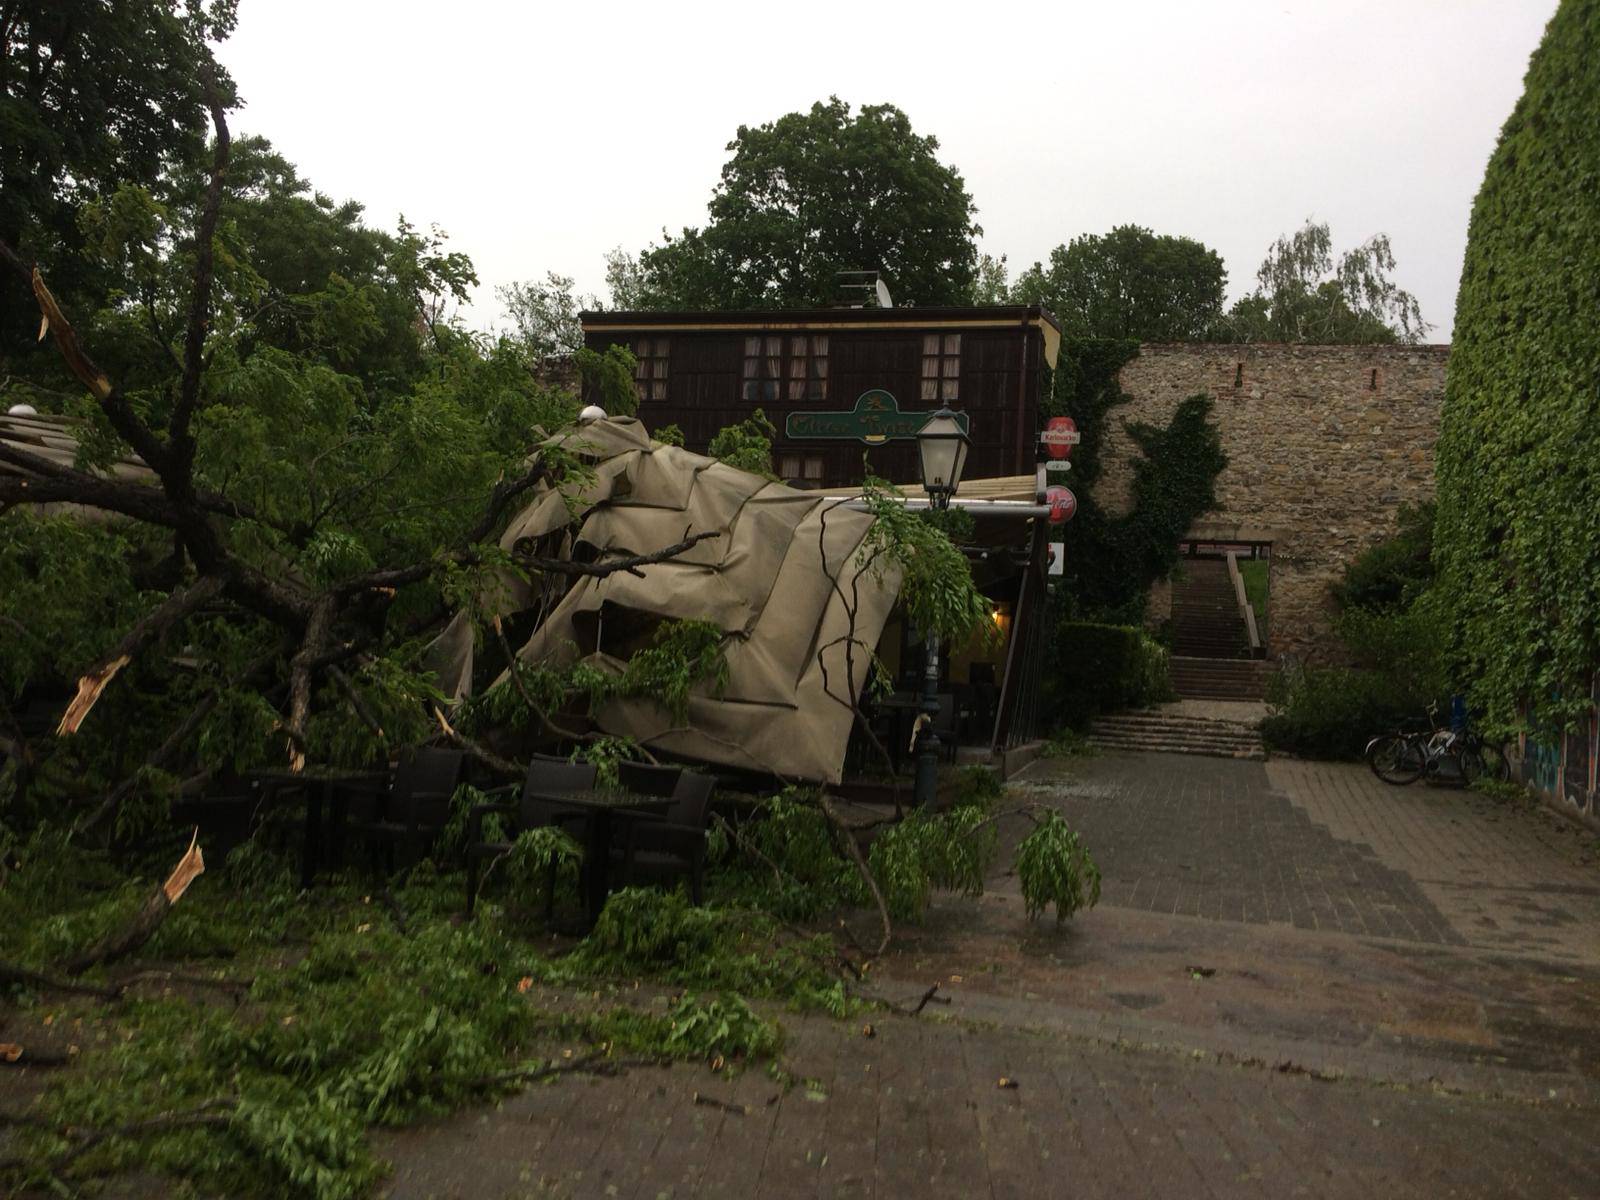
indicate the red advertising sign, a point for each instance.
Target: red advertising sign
{"x":1062,"y":504}
{"x":1059,"y":436}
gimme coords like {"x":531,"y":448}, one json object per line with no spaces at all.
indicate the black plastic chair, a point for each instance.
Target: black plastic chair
{"x":675,"y":845}
{"x":526,"y":812}
{"x":404,"y":818}
{"x":225,"y":812}
{"x":645,"y":780}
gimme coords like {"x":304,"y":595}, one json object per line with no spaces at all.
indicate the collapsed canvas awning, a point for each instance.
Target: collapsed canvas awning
{"x":782,"y":581}
{"x":55,"y":439}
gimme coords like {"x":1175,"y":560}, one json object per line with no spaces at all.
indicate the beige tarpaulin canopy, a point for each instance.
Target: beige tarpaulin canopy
{"x":769,"y":582}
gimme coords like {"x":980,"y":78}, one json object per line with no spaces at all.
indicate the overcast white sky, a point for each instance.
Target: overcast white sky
{"x":540,"y":135}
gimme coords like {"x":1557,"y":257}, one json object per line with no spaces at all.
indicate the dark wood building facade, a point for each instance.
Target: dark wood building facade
{"x":704,"y":371}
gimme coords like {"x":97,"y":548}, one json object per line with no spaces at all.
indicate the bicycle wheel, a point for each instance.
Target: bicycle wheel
{"x":1472,"y":766}
{"x":1397,"y":760}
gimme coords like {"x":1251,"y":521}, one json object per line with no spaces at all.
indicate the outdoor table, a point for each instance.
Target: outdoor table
{"x":324,"y":798}
{"x":600,"y":807}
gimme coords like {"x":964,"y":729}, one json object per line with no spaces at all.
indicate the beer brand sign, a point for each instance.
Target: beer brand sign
{"x":875,"y":419}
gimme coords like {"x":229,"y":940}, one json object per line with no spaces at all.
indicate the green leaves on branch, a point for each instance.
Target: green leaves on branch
{"x":948,"y":851}
{"x":746,"y":445}
{"x":936,"y":588}
{"x":608,"y":378}
{"x":681,"y":656}
{"x":1054,"y":867}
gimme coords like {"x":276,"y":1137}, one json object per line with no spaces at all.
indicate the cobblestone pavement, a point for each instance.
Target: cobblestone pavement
{"x":1298,"y":983}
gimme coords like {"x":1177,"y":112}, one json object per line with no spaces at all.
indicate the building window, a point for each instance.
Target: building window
{"x":793,"y":368}
{"x":808,"y":367}
{"x":801,"y":470}
{"x":763,"y":369}
{"x":650,"y":374}
{"x":941,"y":366}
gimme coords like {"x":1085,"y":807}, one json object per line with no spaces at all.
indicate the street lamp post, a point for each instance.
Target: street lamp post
{"x":942,"y":446}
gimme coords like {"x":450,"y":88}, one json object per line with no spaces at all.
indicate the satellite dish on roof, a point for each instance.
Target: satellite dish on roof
{"x":22,"y":410}
{"x":882,"y":290}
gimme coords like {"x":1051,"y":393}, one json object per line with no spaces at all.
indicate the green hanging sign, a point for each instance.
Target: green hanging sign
{"x":875,"y":419}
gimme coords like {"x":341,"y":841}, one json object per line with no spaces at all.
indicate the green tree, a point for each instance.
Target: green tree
{"x":991,"y":284}
{"x":293,"y":270}
{"x":544,"y":315}
{"x":815,"y":193}
{"x":93,"y":95}
{"x":1129,"y":283}
{"x":318,"y":487}
{"x":1304,"y":294}
{"x":625,"y":282}
{"x":1518,"y":539}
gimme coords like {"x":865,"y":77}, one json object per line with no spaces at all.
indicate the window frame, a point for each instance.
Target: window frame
{"x":652,"y":359}
{"x":940,"y":375}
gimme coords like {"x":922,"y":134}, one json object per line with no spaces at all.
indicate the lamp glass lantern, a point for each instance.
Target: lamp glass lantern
{"x":942,"y":445}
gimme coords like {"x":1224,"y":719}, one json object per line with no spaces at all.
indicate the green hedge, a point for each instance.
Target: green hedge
{"x":1097,"y":669}
{"x":1332,"y":712}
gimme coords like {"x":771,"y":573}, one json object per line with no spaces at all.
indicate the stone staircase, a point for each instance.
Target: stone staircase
{"x":1205,"y":613}
{"x":1175,"y":734}
{"x":1219,"y":678}
{"x":1211,"y":657}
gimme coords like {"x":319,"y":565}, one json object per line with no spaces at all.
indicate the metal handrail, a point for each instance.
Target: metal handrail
{"x":1245,"y":608}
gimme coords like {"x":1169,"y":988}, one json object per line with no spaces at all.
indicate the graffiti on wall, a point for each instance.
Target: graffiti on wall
{"x":1564,"y":764}
{"x":1544,"y":762}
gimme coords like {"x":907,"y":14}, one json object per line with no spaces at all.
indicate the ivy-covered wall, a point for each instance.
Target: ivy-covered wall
{"x":1518,"y":536}
{"x":1113,"y":557}
{"x":1324,"y":446}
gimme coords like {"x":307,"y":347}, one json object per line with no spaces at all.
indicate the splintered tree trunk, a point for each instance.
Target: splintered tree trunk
{"x":122,"y":942}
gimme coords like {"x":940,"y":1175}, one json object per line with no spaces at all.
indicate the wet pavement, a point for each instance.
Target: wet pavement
{"x":1299,"y":982}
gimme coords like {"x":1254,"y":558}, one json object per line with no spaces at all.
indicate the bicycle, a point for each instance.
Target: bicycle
{"x":1440,"y":755}
{"x":1398,"y":758}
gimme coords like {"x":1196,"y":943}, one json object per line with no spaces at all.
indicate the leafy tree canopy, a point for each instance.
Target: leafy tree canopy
{"x":807,"y":196}
{"x":91,"y":96}
{"x":544,"y":315}
{"x":1304,"y":294}
{"x":1129,"y":283}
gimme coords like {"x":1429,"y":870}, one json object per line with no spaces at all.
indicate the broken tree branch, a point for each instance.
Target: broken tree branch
{"x":163,"y":755}
{"x":180,"y":436}
{"x":123,"y":942}
{"x":112,"y":402}
{"x":482,"y":753}
{"x":345,"y":685}
{"x":214,"y":1114}
{"x":300,"y":680}
{"x":849,"y":838}
{"x":152,"y":626}
{"x":11,"y":973}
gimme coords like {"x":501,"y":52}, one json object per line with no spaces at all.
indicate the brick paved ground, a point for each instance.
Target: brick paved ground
{"x":917,"y":1112}
{"x":1211,"y":837}
{"x":1518,"y":880}
{"x":1432,"y":956}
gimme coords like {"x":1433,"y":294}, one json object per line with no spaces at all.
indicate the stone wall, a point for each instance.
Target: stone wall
{"x":1324,"y":445}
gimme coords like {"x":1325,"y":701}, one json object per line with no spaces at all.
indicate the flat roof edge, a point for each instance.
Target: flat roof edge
{"x":744,"y":318}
